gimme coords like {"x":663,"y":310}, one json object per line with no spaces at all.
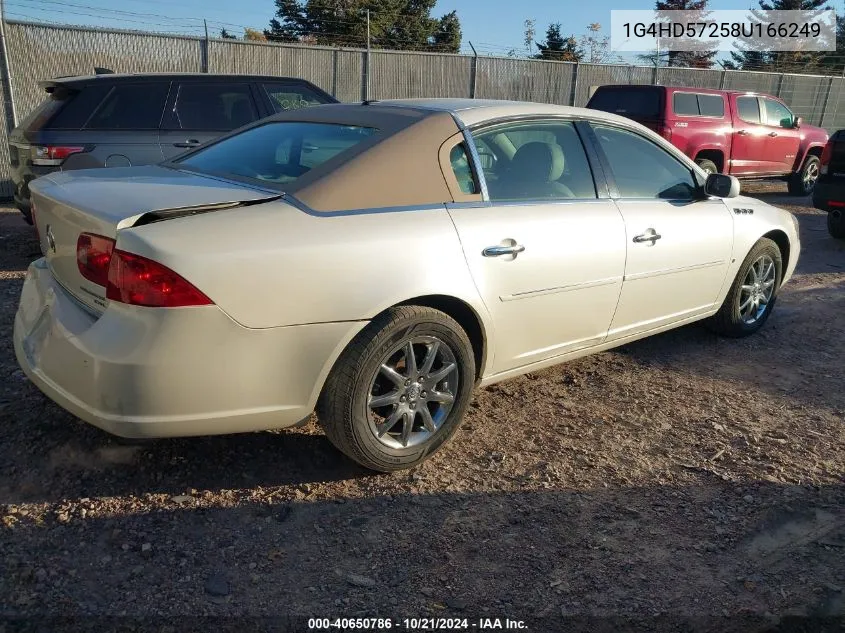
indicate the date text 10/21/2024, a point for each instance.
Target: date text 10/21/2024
{"x":416,"y":624}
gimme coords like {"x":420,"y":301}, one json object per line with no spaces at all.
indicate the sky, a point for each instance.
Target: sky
{"x":493,"y":26}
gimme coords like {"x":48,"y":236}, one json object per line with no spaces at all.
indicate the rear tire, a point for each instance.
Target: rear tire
{"x":836,"y":224}
{"x":753,"y":293}
{"x":425,"y":401}
{"x":803,"y":182}
{"x":707,"y":165}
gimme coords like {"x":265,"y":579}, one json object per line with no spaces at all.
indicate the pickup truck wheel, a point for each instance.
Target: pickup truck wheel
{"x":836,"y":224}
{"x":803,"y":182}
{"x":753,"y":292}
{"x":708,"y":166}
{"x":400,"y":389}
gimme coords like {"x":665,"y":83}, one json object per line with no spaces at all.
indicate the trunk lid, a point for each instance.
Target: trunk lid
{"x":104,"y":201}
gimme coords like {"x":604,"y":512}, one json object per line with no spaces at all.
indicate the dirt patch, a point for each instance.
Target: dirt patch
{"x":684,"y":475}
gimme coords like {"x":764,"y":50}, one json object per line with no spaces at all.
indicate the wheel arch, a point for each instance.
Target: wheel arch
{"x":782,"y":240}
{"x":717,"y":155}
{"x":466,"y":316}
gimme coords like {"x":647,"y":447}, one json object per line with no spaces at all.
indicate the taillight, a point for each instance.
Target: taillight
{"x":827,"y":154}
{"x":140,"y":281}
{"x":93,"y":255}
{"x":53,"y":154}
{"x":666,"y":132}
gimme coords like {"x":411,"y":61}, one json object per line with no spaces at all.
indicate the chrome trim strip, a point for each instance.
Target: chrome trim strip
{"x":475,"y":158}
{"x":669,"y":271}
{"x":548,"y":291}
{"x":295,"y":202}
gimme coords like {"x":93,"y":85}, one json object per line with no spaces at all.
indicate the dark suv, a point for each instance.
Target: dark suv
{"x":111,"y":120}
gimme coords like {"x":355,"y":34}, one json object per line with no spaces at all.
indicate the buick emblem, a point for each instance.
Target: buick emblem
{"x":51,"y":241}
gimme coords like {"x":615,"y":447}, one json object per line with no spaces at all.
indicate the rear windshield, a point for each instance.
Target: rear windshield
{"x":632,"y":103}
{"x":278,"y":152}
{"x":46,"y":110}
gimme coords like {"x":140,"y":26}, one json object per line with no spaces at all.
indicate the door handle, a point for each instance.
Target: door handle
{"x":191,"y":142}
{"x":742,"y":132}
{"x":773,"y":134}
{"x":649,"y":236}
{"x":498,"y":251}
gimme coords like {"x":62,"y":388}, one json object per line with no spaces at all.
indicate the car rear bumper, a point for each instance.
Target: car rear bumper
{"x":151,"y":372}
{"x":829,"y":194}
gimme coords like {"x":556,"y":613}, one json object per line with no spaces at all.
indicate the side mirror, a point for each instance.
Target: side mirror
{"x":797,"y":122}
{"x":721,"y":186}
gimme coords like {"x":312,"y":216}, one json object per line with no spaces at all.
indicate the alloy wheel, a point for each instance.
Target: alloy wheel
{"x":757,"y":289}
{"x":412,"y":392}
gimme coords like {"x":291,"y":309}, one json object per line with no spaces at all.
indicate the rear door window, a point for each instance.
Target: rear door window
{"x":285,"y":97}
{"x":711,"y":105}
{"x":748,"y":109}
{"x":131,"y":107}
{"x":693,"y":104}
{"x":214,"y":107}
{"x":685,"y":104}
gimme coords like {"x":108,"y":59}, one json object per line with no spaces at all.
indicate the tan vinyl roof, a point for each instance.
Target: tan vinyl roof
{"x":398,"y":167}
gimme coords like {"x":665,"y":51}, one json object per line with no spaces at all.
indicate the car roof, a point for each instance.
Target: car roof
{"x":381,"y":172}
{"x":471,"y":112}
{"x":710,"y":91}
{"x":73,"y":80}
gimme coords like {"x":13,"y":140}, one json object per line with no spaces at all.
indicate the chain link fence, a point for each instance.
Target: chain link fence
{"x":36,"y":52}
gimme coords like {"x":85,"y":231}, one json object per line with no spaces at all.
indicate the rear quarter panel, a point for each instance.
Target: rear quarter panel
{"x":694,"y":134}
{"x":274,"y":265}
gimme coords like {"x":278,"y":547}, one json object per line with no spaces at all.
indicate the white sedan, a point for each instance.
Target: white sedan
{"x":376,"y":262}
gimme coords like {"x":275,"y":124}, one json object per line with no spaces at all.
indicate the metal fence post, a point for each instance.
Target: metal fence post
{"x":575,"y":79}
{"x":204,"y":50}
{"x":780,"y":85}
{"x":826,"y":101}
{"x":722,"y":79}
{"x":365,"y":76}
{"x":473,"y":72}
{"x":334,"y":72}
{"x":6,"y":71}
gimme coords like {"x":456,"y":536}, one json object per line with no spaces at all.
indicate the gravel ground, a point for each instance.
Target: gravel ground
{"x":680,"y":476}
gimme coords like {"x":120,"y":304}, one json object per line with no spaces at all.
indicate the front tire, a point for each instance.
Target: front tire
{"x":399,"y":390}
{"x":803,"y":182}
{"x":836,"y":224}
{"x":753,"y":293}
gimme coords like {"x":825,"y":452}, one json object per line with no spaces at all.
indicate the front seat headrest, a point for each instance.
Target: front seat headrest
{"x":538,"y":162}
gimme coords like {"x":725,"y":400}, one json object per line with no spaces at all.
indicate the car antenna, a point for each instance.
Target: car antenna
{"x":369,"y":101}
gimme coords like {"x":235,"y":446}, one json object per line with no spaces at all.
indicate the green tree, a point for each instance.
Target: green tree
{"x":702,"y":56}
{"x":227,"y":36}
{"x":557,"y":47}
{"x":753,"y":54}
{"x":394,"y":24}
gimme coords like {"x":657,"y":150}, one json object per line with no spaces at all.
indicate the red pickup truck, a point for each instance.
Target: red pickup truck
{"x":744,"y":134}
